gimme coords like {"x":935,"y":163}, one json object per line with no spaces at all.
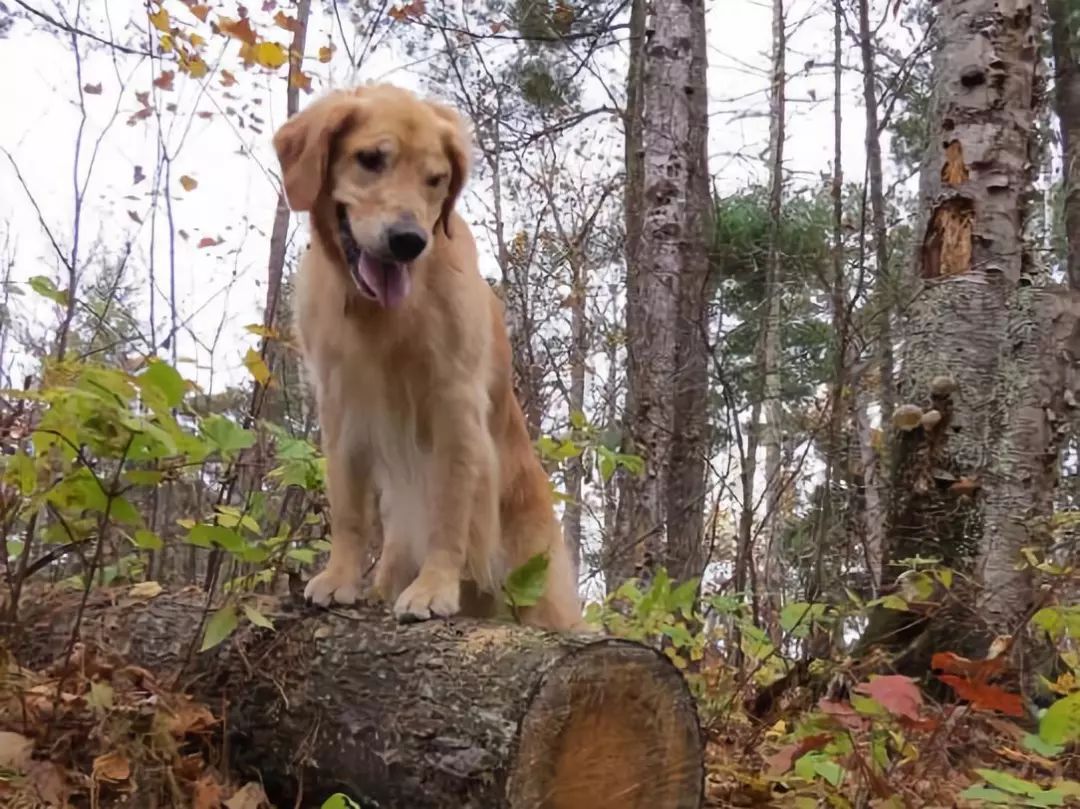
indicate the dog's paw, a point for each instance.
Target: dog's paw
{"x":431,"y":594}
{"x":334,"y":584}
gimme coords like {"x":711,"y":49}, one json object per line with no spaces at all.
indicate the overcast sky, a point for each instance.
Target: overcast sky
{"x":236,"y":172}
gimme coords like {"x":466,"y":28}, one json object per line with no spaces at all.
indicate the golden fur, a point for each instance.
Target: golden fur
{"x":415,"y":396}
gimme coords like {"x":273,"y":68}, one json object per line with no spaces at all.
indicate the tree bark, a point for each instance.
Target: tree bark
{"x":432,"y":715}
{"x":1064,"y":33}
{"x":772,"y":407}
{"x":968,"y":480}
{"x":690,"y":446}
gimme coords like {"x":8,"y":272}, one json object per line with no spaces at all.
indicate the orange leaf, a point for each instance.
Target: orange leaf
{"x":326,"y":52}
{"x":983,"y":696}
{"x":165,"y":80}
{"x":200,"y":11}
{"x":189,"y":183}
{"x":160,"y":20}
{"x":950,"y":663}
{"x":92,"y":89}
{"x":207,"y":793}
{"x":283,"y":20}
{"x":896,"y":693}
{"x":301,"y":80}
{"x":239,"y":29}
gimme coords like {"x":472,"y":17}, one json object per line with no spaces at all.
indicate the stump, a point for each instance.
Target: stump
{"x":433,"y":715}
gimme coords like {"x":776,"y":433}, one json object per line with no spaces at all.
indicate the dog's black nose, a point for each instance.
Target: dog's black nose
{"x":406,"y":240}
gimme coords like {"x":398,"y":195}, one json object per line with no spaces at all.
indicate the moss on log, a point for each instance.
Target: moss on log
{"x":433,"y":715}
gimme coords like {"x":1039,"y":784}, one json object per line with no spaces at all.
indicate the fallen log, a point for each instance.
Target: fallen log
{"x":433,"y":715}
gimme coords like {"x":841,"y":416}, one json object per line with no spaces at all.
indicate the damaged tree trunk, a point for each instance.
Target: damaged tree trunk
{"x":990,"y":344}
{"x":438,"y":714}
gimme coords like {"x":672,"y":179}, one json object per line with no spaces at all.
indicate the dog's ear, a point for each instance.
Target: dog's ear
{"x":303,"y":146}
{"x":457,"y":141}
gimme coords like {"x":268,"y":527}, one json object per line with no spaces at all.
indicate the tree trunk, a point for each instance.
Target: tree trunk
{"x":1064,"y":32}
{"x":772,"y":407}
{"x":435,"y":715}
{"x":883,"y":294}
{"x":968,"y":479}
{"x":691,"y":444}
{"x":669,"y":228}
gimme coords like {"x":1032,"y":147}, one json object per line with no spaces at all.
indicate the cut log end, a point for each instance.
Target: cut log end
{"x":612,"y":726}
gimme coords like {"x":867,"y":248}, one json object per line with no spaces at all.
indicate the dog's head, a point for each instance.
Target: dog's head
{"x":386,"y":167}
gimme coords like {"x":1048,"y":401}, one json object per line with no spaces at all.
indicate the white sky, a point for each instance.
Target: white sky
{"x":235,"y":195}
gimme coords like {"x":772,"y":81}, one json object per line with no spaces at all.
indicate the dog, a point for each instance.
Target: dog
{"x":407,"y":351}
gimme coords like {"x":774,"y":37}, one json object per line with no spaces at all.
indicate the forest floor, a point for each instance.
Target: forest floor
{"x":90,"y":730}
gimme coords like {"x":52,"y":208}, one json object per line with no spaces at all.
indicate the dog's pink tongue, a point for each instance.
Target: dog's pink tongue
{"x":388,"y":280}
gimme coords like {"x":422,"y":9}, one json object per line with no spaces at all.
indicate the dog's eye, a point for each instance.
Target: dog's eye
{"x":373,"y":160}
{"x":435,"y":180}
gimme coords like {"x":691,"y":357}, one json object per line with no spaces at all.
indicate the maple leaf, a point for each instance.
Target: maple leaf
{"x":165,"y":80}
{"x":145,"y":112}
{"x":266,"y":54}
{"x":238,"y":29}
{"x":160,"y":20}
{"x":189,"y":183}
{"x":283,"y":20}
{"x":256,"y":366}
{"x":92,"y":89}
{"x":193,"y":64}
{"x":896,"y":693}
{"x":301,"y":80}
{"x":414,"y":9}
{"x":326,"y":52}
{"x":200,"y":11}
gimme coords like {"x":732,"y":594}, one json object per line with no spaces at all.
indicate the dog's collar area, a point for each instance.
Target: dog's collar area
{"x":352,"y":250}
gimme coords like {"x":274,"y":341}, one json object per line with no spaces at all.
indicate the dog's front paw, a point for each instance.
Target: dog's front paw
{"x":432,"y":593}
{"x":337,"y":584}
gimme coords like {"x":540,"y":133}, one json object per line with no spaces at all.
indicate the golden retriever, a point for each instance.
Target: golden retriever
{"x":410,"y":362}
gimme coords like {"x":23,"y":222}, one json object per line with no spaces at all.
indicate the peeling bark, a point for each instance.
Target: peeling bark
{"x":437,"y":715}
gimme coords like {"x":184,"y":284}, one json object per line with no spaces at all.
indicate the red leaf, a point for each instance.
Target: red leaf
{"x":843,"y":713}
{"x":897,"y":694}
{"x":950,"y":663}
{"x":207,"y":241}
{"x":782,"y":759}
{"x":983,"y":696}
{"x":165,"y":80}
{"x":92,"y":89}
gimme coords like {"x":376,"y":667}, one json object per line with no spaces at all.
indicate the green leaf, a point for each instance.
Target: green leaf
{"x":578,"y":420}
{"x":525,"y":584}
{"x":257,"y":617}
{"x":14,"y":548}
{"x":340,"y":801}
{"x":147,"y":540}
{"x":207,"y":536}
{"x":162,"y":378}
{"x":981,"y":793}
{"x":1009,"y":783}
{"x":1061,"y":723}
{"x":46,"y":288}
{"x":144,"y":477}
{"x":305,"y":556}
{"x":221,"y":624}
{"x":226,"y":435}
{"x":798,"y":617}
{"x":1036,"y":745}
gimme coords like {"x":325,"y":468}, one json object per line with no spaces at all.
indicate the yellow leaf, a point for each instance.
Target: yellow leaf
{"x":193,"y":64}
{"x":256,"y":366}
{"x":269,"y":55}
{"x":160,"y":20}
{"x":262,"y":331}
{"x":189,"y":183}
{"x":196,"y":41}
{"x":145,"y":589}
{"x":326,"y":53}
{"x":166,"y":43}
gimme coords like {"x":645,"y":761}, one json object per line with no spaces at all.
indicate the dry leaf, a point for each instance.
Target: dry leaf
{"x":249,"y":796}
{"x":326,"y":52}
{"x":207,"y":793}
{"x":200,"y":11}
{"x":189,"y":183}
{"x":92,"y":89}
{"x":283,"y":20}
{"x":139,"y":176}
{"x":227,"y":78}
{"x":112,"y":767}
{"x":15,"y":751}
{"x":209,"y":241}
{"x":189,"y":717}
{"x":165,"y":80}
{"x":239,"y":29}
{"x":895,"y":693}
{"x":160,"y":20}
{"x":780,"y":762}
{"x":145,"y":589}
